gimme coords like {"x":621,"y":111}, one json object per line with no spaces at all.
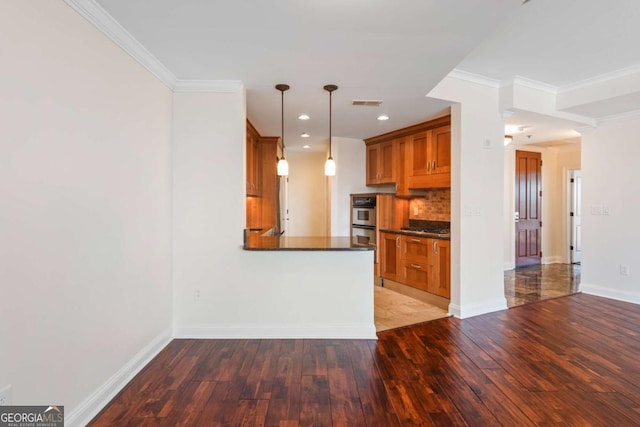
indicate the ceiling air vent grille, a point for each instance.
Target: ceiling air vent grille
{"x":366,"y":102}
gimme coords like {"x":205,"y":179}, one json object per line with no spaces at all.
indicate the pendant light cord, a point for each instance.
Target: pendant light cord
{"x":282,"y":117}
{"x":330,"y":94}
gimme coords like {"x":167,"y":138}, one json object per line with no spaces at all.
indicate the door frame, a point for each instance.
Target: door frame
{"x":568,"y":174}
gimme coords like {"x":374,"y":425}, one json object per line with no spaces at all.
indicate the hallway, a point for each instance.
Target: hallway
{"x":539,"y":282}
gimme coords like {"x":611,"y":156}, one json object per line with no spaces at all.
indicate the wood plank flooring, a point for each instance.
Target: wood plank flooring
{"x":565,"y":361}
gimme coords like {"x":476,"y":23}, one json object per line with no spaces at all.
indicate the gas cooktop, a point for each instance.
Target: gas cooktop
{"x":439,"y":232}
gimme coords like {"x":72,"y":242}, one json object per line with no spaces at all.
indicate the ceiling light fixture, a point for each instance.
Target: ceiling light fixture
{"x":330,"y":165}
{"x":507,"y":140}
{"x":382,"y":117}
{"x":283,"y":166}
{"x":303,"y":117}
{"x":305,"y":135}
{"x":306,"y":146}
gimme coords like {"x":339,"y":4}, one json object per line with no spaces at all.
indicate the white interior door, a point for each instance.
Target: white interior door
{"x":576,"y":217}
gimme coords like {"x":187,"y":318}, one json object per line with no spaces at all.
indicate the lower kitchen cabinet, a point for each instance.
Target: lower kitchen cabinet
{"x":442,"y":269}
{"x":390,"y":256}
{"x":419,"y":262}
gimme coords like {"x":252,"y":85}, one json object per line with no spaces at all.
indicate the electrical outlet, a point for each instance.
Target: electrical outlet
{"x":5,"y":396}
{"x":196,"y":295}
{"x":625,"y":270}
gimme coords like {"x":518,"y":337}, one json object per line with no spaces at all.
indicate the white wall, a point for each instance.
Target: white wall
{"x":248,"y":293}
{"x":308,"y":197}
{"x":477,"y":183}
{"x":556,"y":162}
{"x":350,"y":156}
{"x":610,"y":155}
{"x":85,"y":195}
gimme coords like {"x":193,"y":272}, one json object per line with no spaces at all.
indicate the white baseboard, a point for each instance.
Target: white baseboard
{"x":89,"y":407}
{"x":471,"y":310}
{"x":552,"y":260}
{"x":509,"y":265}
{"x":339,"y":331}
{"x":601,"y":291}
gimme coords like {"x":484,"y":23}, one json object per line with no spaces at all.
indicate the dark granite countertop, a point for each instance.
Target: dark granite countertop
{"x":282,"y":243}
{"x":418,"y":234}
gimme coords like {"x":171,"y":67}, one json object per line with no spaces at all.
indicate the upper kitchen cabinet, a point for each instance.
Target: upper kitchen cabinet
{"x":431,"y":158}
{"x":253,"y":161}
{"x":414,"y":158}
{"x":381,"y":166}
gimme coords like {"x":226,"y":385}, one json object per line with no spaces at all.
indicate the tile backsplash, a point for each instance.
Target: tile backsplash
{"x":434,"y":206}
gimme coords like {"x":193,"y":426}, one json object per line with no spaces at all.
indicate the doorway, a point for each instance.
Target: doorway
{"x":575,"y":217}
{"x":528,"y":200}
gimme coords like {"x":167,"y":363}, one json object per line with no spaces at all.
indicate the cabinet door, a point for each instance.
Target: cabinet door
{"x":440,"y":150}
{"x":402,"y":170}
{"x":441,"y":284}
{"x":252,"y":166}
{"x":389,"y":256}
{"x":386,"y":162}
{"x":419,"y":160}
{"x":373,"y":159}
{"x":416,"y":274}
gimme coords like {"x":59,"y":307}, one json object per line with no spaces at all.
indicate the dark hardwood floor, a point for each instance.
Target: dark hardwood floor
{"x":565,"y":361}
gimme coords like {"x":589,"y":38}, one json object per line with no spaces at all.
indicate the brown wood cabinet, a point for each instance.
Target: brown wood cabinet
{"x":414,"y":158}
{"x":419,"y":262}
{"x":431,"y":159}
{"x":389,"y":249}
{"x":253,"y":161}
{"x":442,"y":269}
{"x":261,"y":180}
{"x":381,"y":163}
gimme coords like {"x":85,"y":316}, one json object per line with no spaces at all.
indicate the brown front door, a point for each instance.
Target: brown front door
{"x":528,"y":200}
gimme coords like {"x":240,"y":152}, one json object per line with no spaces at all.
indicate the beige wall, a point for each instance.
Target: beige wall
{"x":85,"y":190}
{"x":308,"y":195}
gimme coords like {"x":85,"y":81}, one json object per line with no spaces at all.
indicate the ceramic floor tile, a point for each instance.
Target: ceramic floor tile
{"x":394,"y":310}
{"x":538,"y":282}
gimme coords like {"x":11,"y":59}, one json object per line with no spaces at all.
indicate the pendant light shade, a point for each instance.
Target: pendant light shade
{"x":283,"y":165}
{"x":330,"y":164}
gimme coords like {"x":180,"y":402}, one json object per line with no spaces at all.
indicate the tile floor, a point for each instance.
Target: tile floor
{"x":539,"y":282}
{"x":521,"y":286}
{"x":393,"y":310}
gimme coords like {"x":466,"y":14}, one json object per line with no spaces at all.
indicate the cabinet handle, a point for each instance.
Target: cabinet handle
{"x":417,"y":267}
{"x":435,"y":247}
{"x":398,"y":242}
{"x":396,"y":188}
{"x":415,"y":240}
{"x":428,"y":165}
{"x":434,"y":165}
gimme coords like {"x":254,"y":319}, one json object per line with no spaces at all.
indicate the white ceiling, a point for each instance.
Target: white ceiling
{"x":377,"y":49}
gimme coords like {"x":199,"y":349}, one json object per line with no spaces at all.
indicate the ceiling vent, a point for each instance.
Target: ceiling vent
{"x":366,"y":102}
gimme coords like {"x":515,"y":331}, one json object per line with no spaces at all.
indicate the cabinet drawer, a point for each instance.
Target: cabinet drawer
{"x":418,"y":275}
{"x":417,"y":249}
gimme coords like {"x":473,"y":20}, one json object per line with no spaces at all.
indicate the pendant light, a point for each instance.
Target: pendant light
{"x":283,"y":166}
{"x":330,"y":165}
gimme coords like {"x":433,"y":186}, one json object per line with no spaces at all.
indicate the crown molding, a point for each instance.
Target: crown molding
{"x":531,"y":84}
{"x":221,"y":86}
{"x":96,"y":15}
{"x":602,"y":78}
{"x":100,"y":18}
{"x":622,"y":116}
{"x":474,"y":78}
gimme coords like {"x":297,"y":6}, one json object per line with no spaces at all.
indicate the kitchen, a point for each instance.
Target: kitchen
{"x":407,"y":217}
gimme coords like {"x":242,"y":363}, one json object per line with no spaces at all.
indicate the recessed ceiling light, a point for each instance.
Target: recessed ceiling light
{"x":306,"y":146}
{"x":303,"y":117}
{"x":383,"y":117}
{"x":305,"y":135}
